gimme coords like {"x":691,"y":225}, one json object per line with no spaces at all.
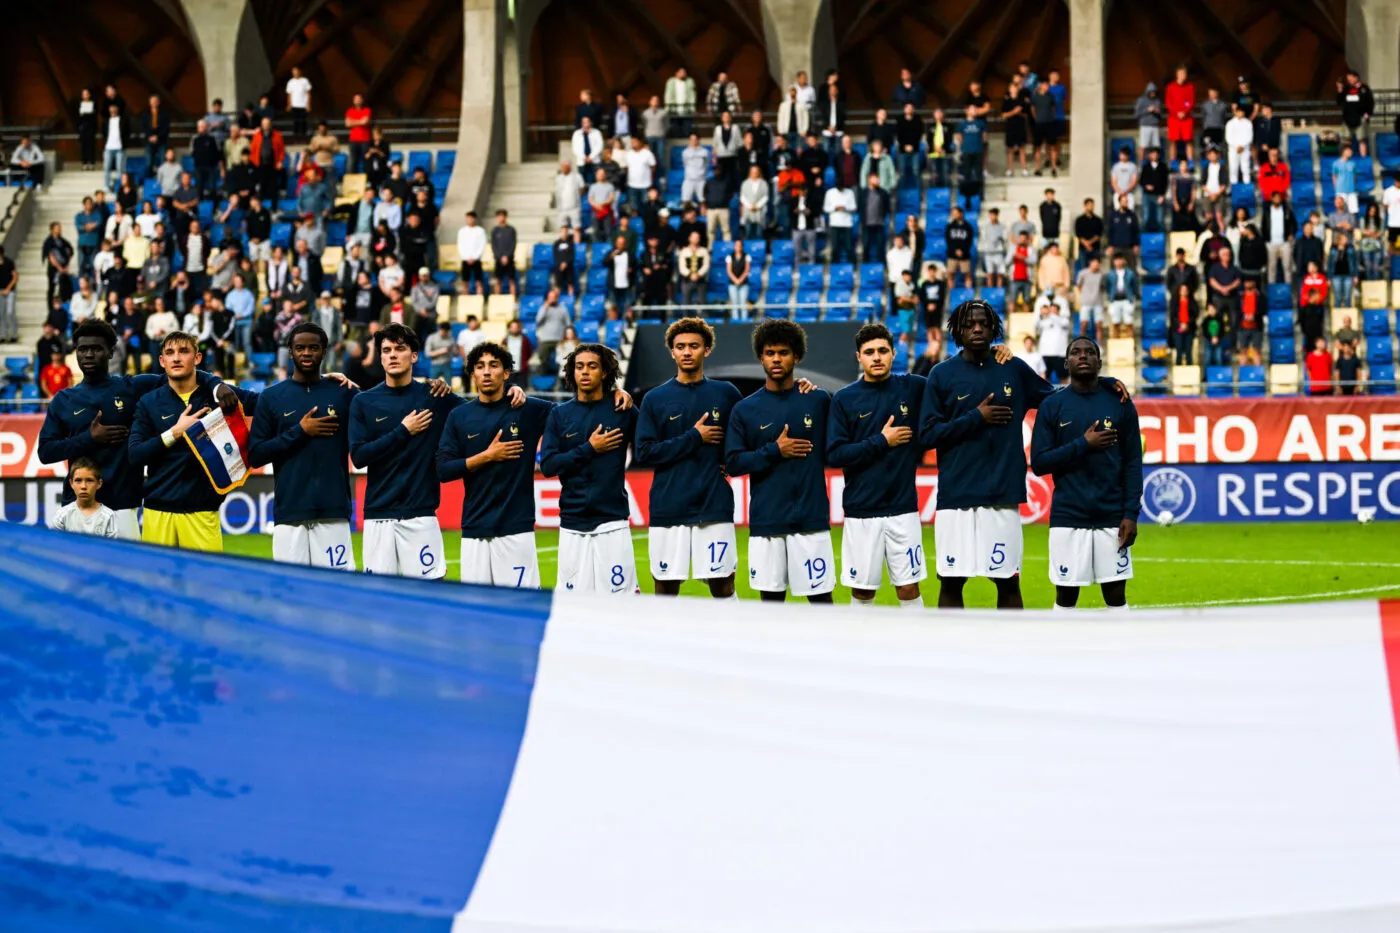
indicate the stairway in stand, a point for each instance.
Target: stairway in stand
{"x":526,"y":189}
{"x":59,"y":204}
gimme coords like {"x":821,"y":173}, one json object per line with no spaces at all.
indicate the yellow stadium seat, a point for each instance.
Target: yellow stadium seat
{"x":488,"y":259}
{"x":1336,"y":318}
{"x":1395,"y":294}
{"x":471,"y":306}
{"x":444,"y":307}
{"x":1022,"y":326}
{"x":1180,"y":240}
{"x":500,"y":308}
{"x":1126,"y":375}
{"x":522,"y":257}
{"x":1283,"y":378}
{"x":352,"y":187}
{"x":1186,"y":380}
{"x":1122,"y":353}
{"x":330,"y":259}
{"x":1374,"y":294}
{"x":494,"y":330}
{"x":448,"y":259}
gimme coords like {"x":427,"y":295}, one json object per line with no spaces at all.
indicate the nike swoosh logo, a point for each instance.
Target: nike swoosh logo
{"x":961,"y":397}
{"x":288,"y":414}
{"x":428,"y":571}
{"x":765,"y":427}
{"x":575,"y":434}
{"x":377,"y":420}
{"x":866,"y":414}
{"x":1065,"y":424}
{"x":166,"y":417}
{"x":80,"y":411}
{"x":673,"y":418}
{"x":470,"y":436}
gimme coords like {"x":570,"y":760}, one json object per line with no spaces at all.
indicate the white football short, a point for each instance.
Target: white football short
{"x":1085,"y":556}
{"x":700,"y":552}
{"x":128,"y":525}
{"x":804,"y":565}
{"x":1120,"y":312}
{"x":598,"y":561}
{"x":978,"y":542}
{"x":510,"y":560}
{"x":314,"y":544}
{"x":868,"y":545}
{"x":408,"y":547}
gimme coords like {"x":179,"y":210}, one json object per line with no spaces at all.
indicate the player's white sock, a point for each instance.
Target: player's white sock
{"x":734,"y":596}
{"x":1117,"y":610}
{"x":916,"y":603}
{"x":1056,"y":607}
{"x":857,"y":601}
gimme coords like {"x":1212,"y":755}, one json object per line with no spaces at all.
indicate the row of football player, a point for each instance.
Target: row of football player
{"x":694,"y":433}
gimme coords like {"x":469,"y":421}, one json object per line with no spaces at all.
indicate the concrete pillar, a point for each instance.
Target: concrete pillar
{"x":1088,"y":108}
{"x":481,"y":135}
{"x":800,"y":37}
{"x":515,"y":84}
{"x":1373,"y":41}
{"x":226,"y":35}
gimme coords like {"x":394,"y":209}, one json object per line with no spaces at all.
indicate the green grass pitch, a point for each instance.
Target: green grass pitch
{"x":1182,"y":565}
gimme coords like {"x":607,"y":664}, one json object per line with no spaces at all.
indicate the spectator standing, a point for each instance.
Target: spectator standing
{"x":298,"y":92}
{"x":695,"y":162}
{"x":959,"y":238}
{"x":168,"y":174}
{"x":656,"y":270}
{"x":87,"y":120}
{"x":717,"y":198}
{"x":933,"y":300}
{"x":1089,"y":296}
{"x":1155,"y":183}
{"x":1148,"y":113}
{"x":113,"y":147}
{"x":832,"y":118}
{"x":1275,"y":177}
{"x":1371,"y":243}
{"x":680,"y":102}
{"x":155,"y":133}
{"x":1060,"y":93}
{"x":723,"y":96}
{"x":1180,"y":100}
{"x":357,"y":123}
{"x":1342,"y":269}
{"x":208,"y":155}
{"x":1344,"y":178}
{"x":1121,"y":292}
{"x":1307,"y":248}
{"x":1053,"y":274}
{"x":753,"y":204}
{"x":1124,"y":236}
{"x":1348,"y":371}
{"x":1239,"y":144}
{"x":1050,"y":216}
{"x":89,"y":226}
{"x":1123,"y":177}
{"x":1357,"y":104}
{"x":602,"y":200}
{"x":9,"y":320}
{"x":1253,"y":255}
{"x":877,"y":162}
{"x":1318,"y":364}
{"x":971,"y":142}
{"x":1044,"y":135}
{"x":1215,"y":184}
{"x":1268,"y":132}
{"x":1224,"y":283}
{"x":553,"y":319}
{"x":1029,"y":355}
{"x":641,"y":171}
{"x":874,"y":210}
{"x":1214,"y":113}
{"x":503,"y":244}
{"x":994,"y":247}
{"x":269,"y":153}
{"x":568,"y":197}
{"x":1249,"y":325}
{"x":940,"y":137}
{"x":438,"y":348}
{"x":1023,"y":265}
{"x":654,"y":125}
{"x":589,"y":109}
{"x":794,"y":119}
{"x":693,"y":264}
{"x":58,"y":254}
{"x":1052,"y":327}
{"x":1184,"y":313}
{"x":587,"y":143}
{"x":1183,"y":193}
{"x":1015,"y":121}
{"x":899,"y":259}
{"x":726,"y":141}
{"x":322,"y":148}
{"x":737,"y":269}
{"x":839,"y":205}
{"x":623,"y":121}
{"x":909,"y":135}
{"x":1088,"y":232}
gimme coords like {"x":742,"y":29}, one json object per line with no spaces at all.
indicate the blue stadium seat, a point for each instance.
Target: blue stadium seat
{"x":287,"y":206}
{"x":719,"y":274}
{"x":419,"y":158}
{"x":592,"y":307}
{"x":843,"y":275}
{"x":1280,"y":323}
{"x":542,"y":383}
{"x":262,"y":364}
{"x":1122,"y":142}
{"x":1251,"y":381}
{"x":675,"y":178}
{"x":1382,"y":378}
{"x":838,"y":297}
{"x":936,"y":248}
{"x":542,"y":254}
{"x":908,"y":201}
{"x":596,"y":282}
{"x":1388,"y":151}
{"x":1365,"y":175}
{"x":281,"y":235}
{"x":1375,"y":322}
{"x":720,"y":250}
{"x":783,"y":252}
{"x":809,"y":276}
{"x":1218,"y":381}
{"x":808,"y":306}
{"x":676,"y":159}
{"x":780,"y":277}
{"x":446,"y":278}
{"x":716,"y":291}
{"x":758,"y":252}
{"x":1379,"y":350}
{"x":1299,"y":146}
{"x":972,"y":206}
{"x":1155,"y":379}
{"x":530,"y":306}
{"x":1154,"y":325}
{"x":338,"y":164}
{"x":136,"y":166}
{"x":567,"y":302}
{"x":612,"y":334}
{"x":446,"y":160}
{"x":1154,"y":298}
{"x":336,"y":231}
{"x":1395,"y":267}
{"x":777,"y":300}
{"x":580,"y":259}
{"x":1280,"y":297}
{"x":1282,"y":350}
{"x":957,"y":296}
{"x":941,"y":198}
{"x":996,"y":297}
{"x":1154,"y":245}
{"x":872,"y":275}
{"x":1242,"y":195}
{"x":537,"y":280}
{"x":874,"y":299}
{"x":440,"y":180}
{"x":598,"y":252}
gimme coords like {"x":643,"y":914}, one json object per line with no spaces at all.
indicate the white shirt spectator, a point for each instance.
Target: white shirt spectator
{"x":471,"y":242}
{"x":83,"y":307}
{"x":568,"y":191}
{"x":468,"y":339}
{"x":594,"y":146}
{"x":898,"y":260}
{"x":102,"y":523}
{"x":806,"y":94}
{"x":1391,"y":200}
{"x":641,"y":167}
{"x":1215,"y":177}
{"x":299,"y":92}
{"x":1052,"y":330}
{"x":1239,"y":132}
{"x":161,"y":323}
{"x":146,"y":223}
{"x":391,"y":276}
{"x":114,"y":135}
{"x":118,"y":227}
{"x":1032,"y":359}
{"x":839,"y":198}
{"x":621,"y":263}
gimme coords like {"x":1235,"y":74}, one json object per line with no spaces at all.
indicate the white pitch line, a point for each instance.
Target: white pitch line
{"x":1290,"y":598}
{"x":1242,"y":560}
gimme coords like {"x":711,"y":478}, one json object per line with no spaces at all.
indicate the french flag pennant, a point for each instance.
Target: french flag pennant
{"x":220,"y":443}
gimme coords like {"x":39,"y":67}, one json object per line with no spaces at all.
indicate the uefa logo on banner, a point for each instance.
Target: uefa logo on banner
{"x":1168,"y":495}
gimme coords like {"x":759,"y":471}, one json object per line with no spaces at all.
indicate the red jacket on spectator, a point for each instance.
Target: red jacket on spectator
{"x":54,"y":378}
{"x":1180,"y":98}
{"x":1274,"y":177}
{"x":279,"y":149}
{"x":1313,"y":282}
{"x":1319,"y":367}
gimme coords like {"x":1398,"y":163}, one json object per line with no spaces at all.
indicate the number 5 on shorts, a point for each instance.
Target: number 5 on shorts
{"x":998,"y":554}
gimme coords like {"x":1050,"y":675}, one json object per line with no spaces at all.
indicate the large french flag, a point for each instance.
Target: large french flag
{"x":308,"y":751}
{"x":220,"y":444}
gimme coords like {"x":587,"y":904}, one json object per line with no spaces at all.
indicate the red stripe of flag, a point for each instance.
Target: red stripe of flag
{"x":1390,"y":639}
{"x":238,"y":424}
